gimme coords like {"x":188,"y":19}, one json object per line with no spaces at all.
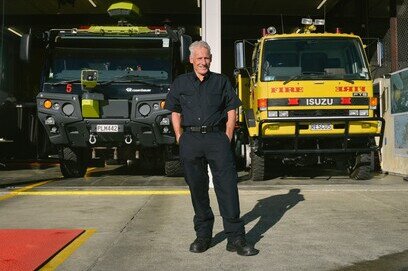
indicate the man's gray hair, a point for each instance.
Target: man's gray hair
{"x":199,"y":44}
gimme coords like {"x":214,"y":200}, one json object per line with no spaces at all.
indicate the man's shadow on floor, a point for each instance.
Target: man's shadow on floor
{"x":269,"y":211}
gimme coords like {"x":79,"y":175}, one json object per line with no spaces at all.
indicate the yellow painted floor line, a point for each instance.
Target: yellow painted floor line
{"x":101,"y":193}
{"x":24,"y":189}
{"x":66,"y":252}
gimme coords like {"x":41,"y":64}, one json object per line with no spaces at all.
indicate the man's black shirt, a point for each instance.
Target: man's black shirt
{"x":202,"y":103}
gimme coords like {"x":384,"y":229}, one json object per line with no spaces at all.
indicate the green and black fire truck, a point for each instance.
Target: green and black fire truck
{"x":103,"y":92}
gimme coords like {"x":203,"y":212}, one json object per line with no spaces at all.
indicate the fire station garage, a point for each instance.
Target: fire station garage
{"x":380,"y":24}
{"x":90,"y":170}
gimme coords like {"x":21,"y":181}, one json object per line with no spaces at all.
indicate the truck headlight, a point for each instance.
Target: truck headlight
{"x":283,"y":113}
{"x":272,"y":114}
{"x":363,"y":112}
{"x":49,"y":121}
{"x":353,"y":112}
{"x":54,"y":130}
{"x":144,"y":109}
{"x":68,"y":109}
{"x":56,"y":106}
{"x":165,"y":121}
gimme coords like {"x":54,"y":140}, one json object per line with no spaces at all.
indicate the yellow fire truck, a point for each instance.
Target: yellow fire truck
{"x":307,"y":99}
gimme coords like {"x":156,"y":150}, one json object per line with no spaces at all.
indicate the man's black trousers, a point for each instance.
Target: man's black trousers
{"x":196,"y":152}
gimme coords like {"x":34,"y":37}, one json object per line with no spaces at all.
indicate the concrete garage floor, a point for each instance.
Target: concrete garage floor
{"x":298,"y":222}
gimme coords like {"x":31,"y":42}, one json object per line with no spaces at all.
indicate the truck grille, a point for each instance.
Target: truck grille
{"x":318,"y":113}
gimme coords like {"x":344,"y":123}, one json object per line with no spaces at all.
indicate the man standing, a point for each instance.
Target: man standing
{"x":203,"y":116}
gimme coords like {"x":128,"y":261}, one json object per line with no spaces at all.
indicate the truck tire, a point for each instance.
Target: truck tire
{"x":377,"y":161}
{"x":362,"y":167}
{"x":73,"y":162}
{"x":173,"y":168}
{"x":257,"y":169}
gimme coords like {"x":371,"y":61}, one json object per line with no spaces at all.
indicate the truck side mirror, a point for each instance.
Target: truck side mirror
{"x":185,"y":42}
{"x":380,"y":53}
{"x":25,"y":45}
{"x":240,"y":55}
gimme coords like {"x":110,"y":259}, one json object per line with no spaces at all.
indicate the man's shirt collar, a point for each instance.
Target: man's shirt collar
{"x":206,"y":76}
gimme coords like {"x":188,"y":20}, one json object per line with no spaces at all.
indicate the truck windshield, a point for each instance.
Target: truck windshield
{"x":150,"y":65}
{"x":313,"y":58}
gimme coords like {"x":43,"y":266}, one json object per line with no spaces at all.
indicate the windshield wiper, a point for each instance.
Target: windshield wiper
{"x":65,"y":82}
{"x":130,"y":78}
{"x":297,"y":76}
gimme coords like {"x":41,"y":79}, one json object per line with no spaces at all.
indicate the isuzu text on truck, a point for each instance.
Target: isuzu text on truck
{"x":307,"y":99}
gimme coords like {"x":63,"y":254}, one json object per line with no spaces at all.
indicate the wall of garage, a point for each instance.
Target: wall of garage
{"x":394,"y":96}
{"x":401,"y":45}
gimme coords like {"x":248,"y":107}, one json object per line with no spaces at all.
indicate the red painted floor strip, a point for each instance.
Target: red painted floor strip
{"x":28,"y":249}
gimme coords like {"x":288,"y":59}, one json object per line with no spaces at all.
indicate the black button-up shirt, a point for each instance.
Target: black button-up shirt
{"x":202,"y":103}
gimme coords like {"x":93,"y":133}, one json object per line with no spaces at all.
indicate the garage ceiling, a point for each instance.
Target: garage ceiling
{"x":30,"y":7}
{"x":150,"y":7}
{"x":240,"y":18}
{"x":365,"y":17}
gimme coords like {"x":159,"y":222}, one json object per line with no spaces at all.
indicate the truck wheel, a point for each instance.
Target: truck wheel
{"x":257,"y":169}
{"x":173,"y":168}
{"x":377,"y":161}
{"x":73,"y":162}
{"x":362,"y":167}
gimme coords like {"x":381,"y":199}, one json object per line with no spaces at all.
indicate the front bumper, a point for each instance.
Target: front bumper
{"x":348,"y":135}
{"x":74,"y":130}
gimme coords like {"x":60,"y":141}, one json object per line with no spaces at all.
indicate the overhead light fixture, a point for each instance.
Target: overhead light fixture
{"x":321,"y":4}
{"x":92,"y":3}
{"x":14,"y":32}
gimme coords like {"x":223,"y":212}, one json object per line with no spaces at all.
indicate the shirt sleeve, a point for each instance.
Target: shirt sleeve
{"x":231,"y":99}
{"x":173,"y":98}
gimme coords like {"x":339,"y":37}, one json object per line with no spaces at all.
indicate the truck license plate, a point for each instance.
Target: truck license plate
{"x":105,"y":128}
{"x":321,"y":126}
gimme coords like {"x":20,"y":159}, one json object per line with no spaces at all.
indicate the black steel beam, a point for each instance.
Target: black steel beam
{"x":71,"y":20}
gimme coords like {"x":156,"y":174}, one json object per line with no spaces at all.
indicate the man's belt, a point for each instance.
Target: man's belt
{"x":202,"y":129}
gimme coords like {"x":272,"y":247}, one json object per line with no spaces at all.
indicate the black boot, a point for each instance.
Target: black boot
{"x":200,"y":244}
{"x":240,"y":246}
